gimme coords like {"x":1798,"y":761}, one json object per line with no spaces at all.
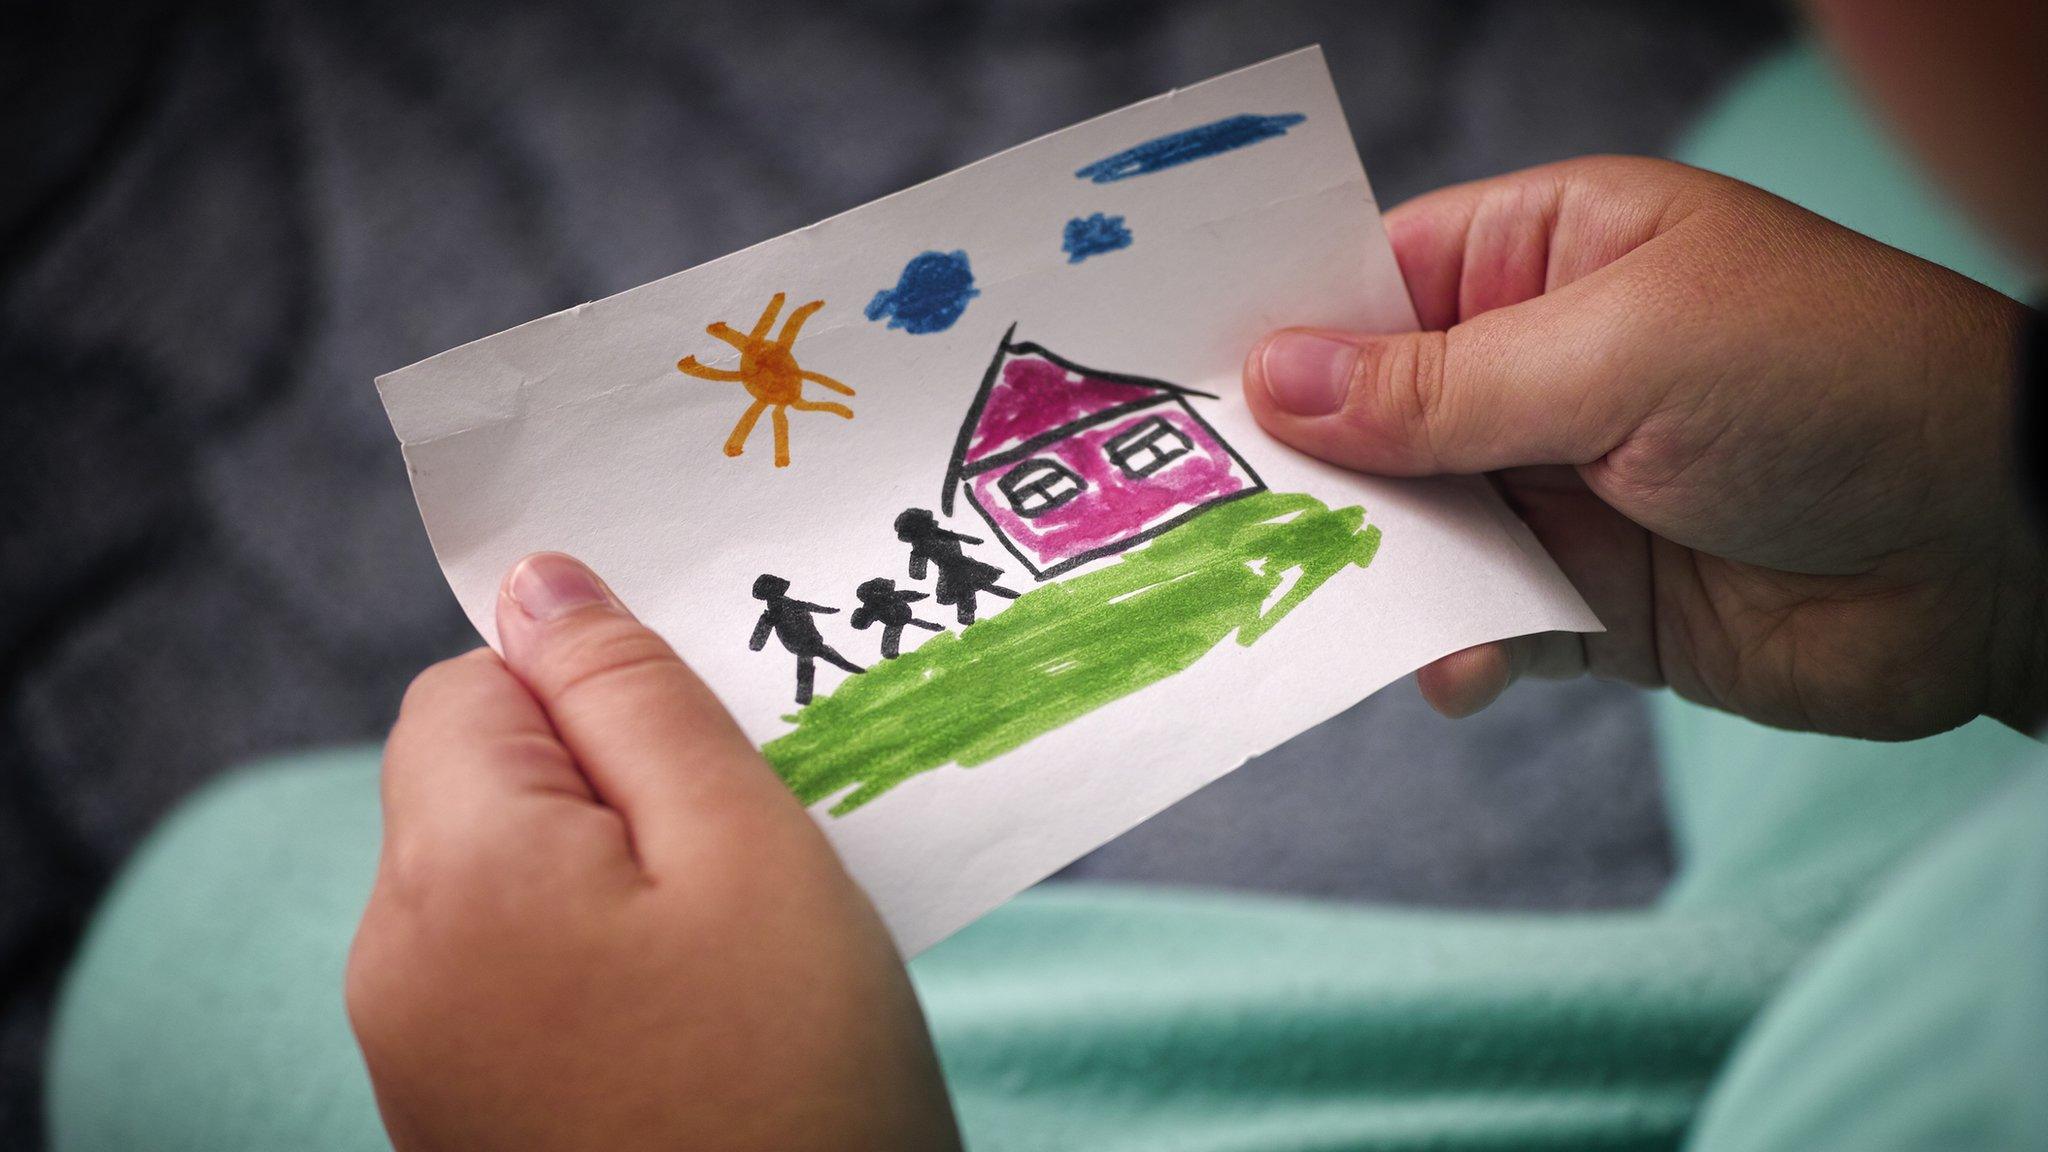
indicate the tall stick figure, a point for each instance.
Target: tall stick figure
{"x":961,"y":577}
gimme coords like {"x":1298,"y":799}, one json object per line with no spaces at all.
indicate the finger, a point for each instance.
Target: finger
{"x":471,"y":754}
{"x":1486,"y":244}
{"x":1474,"y":247}
{"x":1605,"y":555}
{"x":1468,"y":680}
{"x":1554,"y":329}
{"x":1546,"y":381}
{"x":652,"y":739}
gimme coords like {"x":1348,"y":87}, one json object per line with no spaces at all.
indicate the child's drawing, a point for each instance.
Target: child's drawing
{"x":1069,"y":647}
{"x":929,"y":295}
{"x":771,"y":375}
{"x":961,"y":577}
{"x":1070,"y":464}
{"x":1197,"y":143}
{"x":881,"y":603}
{"x":1087,"y":236}
{"x":1067,"y":464}
{"x":789,"y":620}
{"x":1050,"y":595}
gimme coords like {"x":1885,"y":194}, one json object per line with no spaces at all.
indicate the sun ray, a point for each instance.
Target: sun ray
{"x":737,"y":442}
{"x":689,"y":367}
{"x":795,"y":323}
{"x":827,"y":381}
{"x":780,"y":418}
{"x":822,"y":406}
{"x":731,"y":335}
{"x":767,"y":319}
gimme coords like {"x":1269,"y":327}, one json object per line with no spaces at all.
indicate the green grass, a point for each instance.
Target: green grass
{"x":1063,"y":650}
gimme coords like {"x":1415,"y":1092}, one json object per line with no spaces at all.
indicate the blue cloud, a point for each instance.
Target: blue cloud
{"x":1215,"y":138}
{"x":1094,"y":235}
{"x":931,"y":293}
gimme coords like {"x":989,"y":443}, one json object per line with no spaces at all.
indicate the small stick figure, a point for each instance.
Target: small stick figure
{"x":790,"y":621}
{"x":881,"y":603}
{"x":961,"y":577}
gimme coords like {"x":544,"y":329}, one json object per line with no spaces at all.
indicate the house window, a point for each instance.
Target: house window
{"x":1038,"y":486}
{"x":1148,"y":447}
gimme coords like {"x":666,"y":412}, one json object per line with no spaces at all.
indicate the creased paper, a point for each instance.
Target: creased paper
{"x":983,"y":440}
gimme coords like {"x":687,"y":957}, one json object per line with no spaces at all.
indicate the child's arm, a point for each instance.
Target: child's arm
{"x":544,"y":895}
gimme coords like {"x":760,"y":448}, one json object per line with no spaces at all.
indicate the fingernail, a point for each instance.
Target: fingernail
{"x":1307,"y":374}
{"x":547,"y":585}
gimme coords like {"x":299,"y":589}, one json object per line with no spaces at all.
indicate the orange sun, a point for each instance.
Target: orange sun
{"x":771,"y":375}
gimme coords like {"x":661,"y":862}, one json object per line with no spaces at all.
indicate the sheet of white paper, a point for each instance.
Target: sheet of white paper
{"x":578,"y":432}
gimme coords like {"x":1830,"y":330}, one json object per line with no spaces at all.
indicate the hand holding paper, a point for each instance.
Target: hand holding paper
{"x":955,"y":501}
{"x":600,"y":921}
{"x":1750,"y":474}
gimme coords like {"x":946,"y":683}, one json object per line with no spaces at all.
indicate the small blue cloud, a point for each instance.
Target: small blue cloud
{"x":932,"y":293}
{"x":1093,"y":235}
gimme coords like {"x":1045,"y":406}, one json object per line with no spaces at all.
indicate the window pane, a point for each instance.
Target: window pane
{"x":1148,"y":447}
{"x":1039,"y":485}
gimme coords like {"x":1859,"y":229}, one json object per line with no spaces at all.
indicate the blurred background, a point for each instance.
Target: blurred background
{"x":218,"y":222}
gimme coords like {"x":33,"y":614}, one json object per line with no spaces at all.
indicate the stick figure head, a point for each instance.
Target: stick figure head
{"x":913,"y":523}
{"x":880,"y":588}
{"x":769,"y":587}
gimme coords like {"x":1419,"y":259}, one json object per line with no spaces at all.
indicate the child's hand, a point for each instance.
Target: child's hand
{"x":1774,"y":455}
{"x":600,"y":921}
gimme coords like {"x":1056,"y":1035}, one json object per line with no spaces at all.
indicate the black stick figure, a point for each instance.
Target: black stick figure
{"x":961,"y":577}
{"x":790,"y":621}
{"x":881,"y":603}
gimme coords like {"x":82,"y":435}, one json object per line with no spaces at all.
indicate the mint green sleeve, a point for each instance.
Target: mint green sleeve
{"x":1923,"y":1024}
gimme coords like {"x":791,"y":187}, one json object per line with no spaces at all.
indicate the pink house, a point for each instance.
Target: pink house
{"x":1070,"y":464}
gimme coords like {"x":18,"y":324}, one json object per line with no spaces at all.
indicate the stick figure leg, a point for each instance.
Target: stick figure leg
{"x":892,"y":640}
{"x":836,"y":659}
{"x":806,"y":671}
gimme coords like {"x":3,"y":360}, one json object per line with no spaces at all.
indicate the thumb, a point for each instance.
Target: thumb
{"x":654,"y":742}
{"x":1539,"y":382}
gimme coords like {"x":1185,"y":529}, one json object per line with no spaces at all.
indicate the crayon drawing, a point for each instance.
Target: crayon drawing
{"x":1066,"y":648}
{"x":932,"y":291}
{"x":1069,"y":464}
{"x":961,"y":577}
{"x":1066,"y":465}
{"x":1093,"y":235}
{"x":771,"y":375}
{"x":789,"y":620}
{"x":1189,"y":145}
{"x":1043,"y":586}
{"x":881,"y":602}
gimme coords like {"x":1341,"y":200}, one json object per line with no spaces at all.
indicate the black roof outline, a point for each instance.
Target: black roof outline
{"x":956,"y":467}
